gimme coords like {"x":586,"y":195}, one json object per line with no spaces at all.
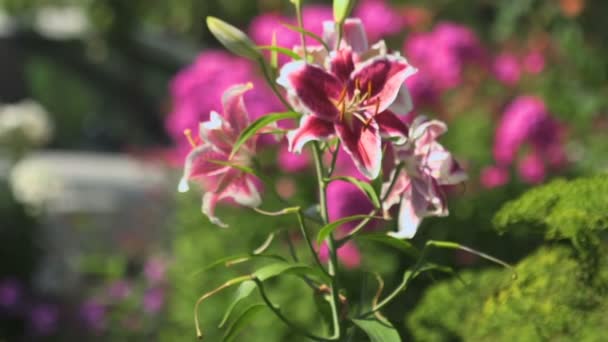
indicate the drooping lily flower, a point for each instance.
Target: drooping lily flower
{"x":427,"y":166}
{"x":349,"y":99}
{"x":209,"y":162}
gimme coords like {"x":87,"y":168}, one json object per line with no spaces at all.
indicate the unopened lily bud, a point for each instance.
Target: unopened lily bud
{"x":342,"y":9}
{"x":233,"y":39}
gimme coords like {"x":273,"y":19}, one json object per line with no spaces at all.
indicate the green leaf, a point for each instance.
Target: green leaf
{"x":377,"y":330}
{"x":242,"y":292}
{"x":402,"y":245}
{"x":280,"y":49}
{"x":258,"y":124}
{"x":279,"y":268}
{"x":365,"y":187}
{"x":326,"y":230}
{"x":233,"y":39}
{"x":270,"y":271}
{"x":241,"y":322}
{"x":235,"y":259}
{"x":342,"y":10}
{"x":309,"y":34}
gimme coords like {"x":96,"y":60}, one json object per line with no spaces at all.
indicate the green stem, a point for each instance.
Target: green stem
{"x":311,"y":247}
{"x":409,"y":275}
{"x":282,"y":317}
{"x":272,"y":84}
{"x":301,"y":25}
{"x":331,"y":244}
{"x":334,"y":158}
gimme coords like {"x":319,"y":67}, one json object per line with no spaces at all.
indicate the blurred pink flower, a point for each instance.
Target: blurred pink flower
{"x":93,"y":314}
{"x":206,"y":162}
{"x":262,"y":27}
{"x":10,"y":293}
{"x":532,"y":168}
{"x":44,"y":319}
{"x":291,"y":162}
{"x":155,"y":270}
{"x":153,"y":300}
{"x":379,"y":18}
{"x":349,"y":255}
{"x":494,"y":176}
{"x":193,"y":98}
{"x":441,"y":56}
{"x":506,"y":68}
{"x":526,"y":121}
{"x":534,"y":62}
{"x":119,"y":289}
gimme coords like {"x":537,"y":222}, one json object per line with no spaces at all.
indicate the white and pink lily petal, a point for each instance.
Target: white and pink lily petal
{"x":427,"y":166}
{"x":211,"y":164}
{"x":354,"y":100}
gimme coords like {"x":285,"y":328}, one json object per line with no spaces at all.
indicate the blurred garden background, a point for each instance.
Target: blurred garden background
{"x":96,"y":244}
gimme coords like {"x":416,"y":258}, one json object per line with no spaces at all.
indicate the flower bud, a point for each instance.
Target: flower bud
{"x":342,"y":9}
{"x":233,"y":39}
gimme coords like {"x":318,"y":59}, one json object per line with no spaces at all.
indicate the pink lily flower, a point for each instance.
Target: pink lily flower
{"x":427,"y":167}
{"x":349,"y":100}
{"x":207,"y":165}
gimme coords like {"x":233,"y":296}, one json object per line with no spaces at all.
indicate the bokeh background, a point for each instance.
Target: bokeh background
{"x":96,"y":243}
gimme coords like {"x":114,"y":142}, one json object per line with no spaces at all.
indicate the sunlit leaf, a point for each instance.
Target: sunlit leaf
{"x":378,"y":330}
{"x":402,"y":245}
{"x":365,"y":187}
{"x":241,"y":322}
{"x":309,"y":34}
{"x":326,"y":230}
{"x":242,"y":292}
{"x":259,"y":124}
{"x":279,"y":49}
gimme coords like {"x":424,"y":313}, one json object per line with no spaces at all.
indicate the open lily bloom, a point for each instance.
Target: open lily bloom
{"x":427,"y":166}
{"x":350,"y":99}
{"x":210,"y":164}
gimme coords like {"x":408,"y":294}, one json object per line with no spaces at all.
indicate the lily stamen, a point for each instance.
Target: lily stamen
{"x":191,"y":140}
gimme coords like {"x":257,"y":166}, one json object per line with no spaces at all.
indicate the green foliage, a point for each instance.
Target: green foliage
{"x":545,"y":302}
{"x":559,"y":210}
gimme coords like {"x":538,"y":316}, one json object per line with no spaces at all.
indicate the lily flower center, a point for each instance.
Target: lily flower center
{"x":354,"y":105}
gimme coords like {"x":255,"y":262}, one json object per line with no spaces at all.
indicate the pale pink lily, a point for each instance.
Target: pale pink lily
{"x":427,"y":167}
{"x":348,"y":100}
{"x":210,"y":163}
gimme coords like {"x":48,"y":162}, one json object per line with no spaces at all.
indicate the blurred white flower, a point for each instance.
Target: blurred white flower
{"x":67,"y":22}
{"x":28,"y":119}
{"x":33,"y":183}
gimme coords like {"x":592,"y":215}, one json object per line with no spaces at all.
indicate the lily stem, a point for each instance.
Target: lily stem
{"x":331,"y":243}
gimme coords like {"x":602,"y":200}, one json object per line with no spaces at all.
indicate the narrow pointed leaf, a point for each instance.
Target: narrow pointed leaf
{"x":259,"y":124}
{"x":365,"y":187}
{"x":233,"y":39}
{"x":309,"y":34}
{"x":378,"y":330}
{"x":274,"y":54}
{"x":329,"y":228}
{"x":402,"y":245}
{"x":280,"y":268}
{"x":241,"y":322}
{"x":242,"y":292}
{"x":264,"y":246}
{"x":279,"y":49}
{"x":234,"y":259}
